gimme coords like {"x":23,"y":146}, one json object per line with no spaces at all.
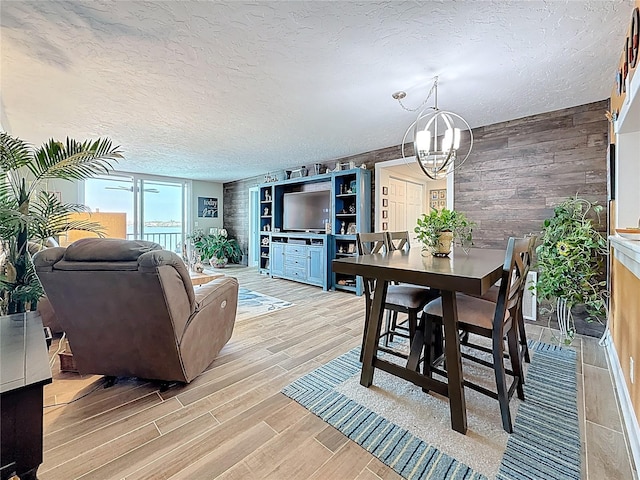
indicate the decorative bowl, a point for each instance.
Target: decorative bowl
{"x":629,"y":233}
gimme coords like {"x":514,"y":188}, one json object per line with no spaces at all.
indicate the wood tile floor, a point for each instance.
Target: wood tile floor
{"x":232,"y":422}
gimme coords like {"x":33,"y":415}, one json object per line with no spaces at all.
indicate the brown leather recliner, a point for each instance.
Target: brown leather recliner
{"x":129,"y":309}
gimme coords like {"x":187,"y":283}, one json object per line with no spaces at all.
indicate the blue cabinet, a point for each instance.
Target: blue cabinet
{"x":352,"y":214}
{"x":316,"y":263}
{"x":306,"y":256}
{"x":277,"y":259}
{"x":301,"y":257}
{"x":266,"y":225}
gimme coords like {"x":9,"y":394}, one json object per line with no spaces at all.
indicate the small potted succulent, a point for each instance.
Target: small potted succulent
{"x":438,"y":229}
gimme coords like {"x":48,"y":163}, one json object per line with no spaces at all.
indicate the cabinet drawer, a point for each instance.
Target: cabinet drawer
{"x":295,"y":271}
{"x":295,"y":250}
{"x":295,"y":260}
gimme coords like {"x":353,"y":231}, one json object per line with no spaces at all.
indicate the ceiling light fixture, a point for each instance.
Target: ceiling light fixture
{"x":442,"y":140}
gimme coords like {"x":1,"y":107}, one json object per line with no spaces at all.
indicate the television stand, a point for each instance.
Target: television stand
{"x":348,"y":212}
{"x":302,"y":257}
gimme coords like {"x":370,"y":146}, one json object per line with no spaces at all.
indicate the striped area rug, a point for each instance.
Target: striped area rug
{"x":545,"y":443}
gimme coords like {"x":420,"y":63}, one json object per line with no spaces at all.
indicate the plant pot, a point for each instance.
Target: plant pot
{"x":565,"y":322}
{"x":218,"y":262}
{"x":444,"y":245}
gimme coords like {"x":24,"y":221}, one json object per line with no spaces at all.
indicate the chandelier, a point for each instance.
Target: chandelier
{"x":437,"y":137}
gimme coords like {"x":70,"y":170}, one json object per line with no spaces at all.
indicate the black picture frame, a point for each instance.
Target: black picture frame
{"x":207,"y":207}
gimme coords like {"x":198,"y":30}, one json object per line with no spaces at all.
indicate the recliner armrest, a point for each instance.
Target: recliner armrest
{"x":207,"y":293}
{"x":44,"y":259}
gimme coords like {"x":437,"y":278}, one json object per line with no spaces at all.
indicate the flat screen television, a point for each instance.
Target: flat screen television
{"x":306,"y":211}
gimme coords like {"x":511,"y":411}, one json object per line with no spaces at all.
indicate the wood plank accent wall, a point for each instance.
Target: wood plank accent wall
{"x":518,"y":170}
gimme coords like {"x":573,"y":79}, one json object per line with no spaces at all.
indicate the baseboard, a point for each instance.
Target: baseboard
{"x":628,"y":414}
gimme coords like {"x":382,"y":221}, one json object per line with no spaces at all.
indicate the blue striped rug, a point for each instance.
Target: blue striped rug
{"x":545,"y":443}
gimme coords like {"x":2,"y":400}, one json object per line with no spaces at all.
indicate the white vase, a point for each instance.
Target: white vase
{"x":565,"y":322}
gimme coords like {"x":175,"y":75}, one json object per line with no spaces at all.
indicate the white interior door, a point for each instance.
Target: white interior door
{"x":406,"y":204}
{"x":415,"y":207}
{"x":397,"y":220}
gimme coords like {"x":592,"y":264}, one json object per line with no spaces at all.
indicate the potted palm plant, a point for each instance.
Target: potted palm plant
{"x":570,"y":263}
{"x":28,"y":213}
{"x":438,"y":229}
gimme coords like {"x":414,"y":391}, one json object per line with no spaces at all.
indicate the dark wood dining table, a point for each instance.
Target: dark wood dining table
{"x":472,"y":273}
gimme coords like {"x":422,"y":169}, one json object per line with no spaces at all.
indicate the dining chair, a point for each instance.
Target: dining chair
{"x":492,"y":296}
{"x":405,"y":299}
{"x":400,"y":241}
{"x":494,"y":321}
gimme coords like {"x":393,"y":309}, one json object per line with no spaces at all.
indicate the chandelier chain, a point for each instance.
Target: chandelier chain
{"x":431,"y":90}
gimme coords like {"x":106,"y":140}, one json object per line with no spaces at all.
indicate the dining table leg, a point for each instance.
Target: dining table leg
{"x":457,"y":403}
{"x":372,"y":330}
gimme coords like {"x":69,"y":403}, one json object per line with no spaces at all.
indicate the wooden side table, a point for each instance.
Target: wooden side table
{"x":204,"y":277}
{"x":24,"y":371}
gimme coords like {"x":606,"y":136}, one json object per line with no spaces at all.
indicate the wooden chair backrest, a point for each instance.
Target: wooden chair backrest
{"x":514,"y":278}
{"x":369,"y":243}
{"x":398,"y":240}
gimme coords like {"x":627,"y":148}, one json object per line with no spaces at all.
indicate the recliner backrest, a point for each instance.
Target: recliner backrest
{"x":120,"y":299}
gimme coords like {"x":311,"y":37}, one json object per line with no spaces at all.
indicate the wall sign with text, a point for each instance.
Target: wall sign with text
{"x":207,"y":207}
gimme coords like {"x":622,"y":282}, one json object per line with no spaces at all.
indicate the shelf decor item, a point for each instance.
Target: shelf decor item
{"x":570,"y":263}
{"x":438,"y":229}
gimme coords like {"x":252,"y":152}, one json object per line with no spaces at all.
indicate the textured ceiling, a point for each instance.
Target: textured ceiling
{"x":226,"y":90}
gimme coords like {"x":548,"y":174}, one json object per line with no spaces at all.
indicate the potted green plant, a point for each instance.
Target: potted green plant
{"x":570,"y":263}
{"x":218,"y":248}
{"x":439,"y":228}
{"x":28,"y":213}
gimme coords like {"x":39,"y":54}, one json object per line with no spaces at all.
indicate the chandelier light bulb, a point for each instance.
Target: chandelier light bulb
{"x":456,"y":138}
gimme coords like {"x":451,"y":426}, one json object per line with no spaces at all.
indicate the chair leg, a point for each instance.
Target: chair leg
{"x":392,"y":323}
{"x":430,"y":347}
{"x":388,"y":325}
{"x":367,"y":315}
{"x":523,"y":338}
{"x":413,"y":322}
{"x":501,"y":381}
{"x":418,"y":341}
{"x":516,"y":362}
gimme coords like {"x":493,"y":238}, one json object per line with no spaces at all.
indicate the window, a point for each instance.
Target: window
{"x":152,"y":209}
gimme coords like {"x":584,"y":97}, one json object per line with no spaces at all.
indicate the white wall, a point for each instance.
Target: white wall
{"x":206,"y":189}
{"x":69,"y":190}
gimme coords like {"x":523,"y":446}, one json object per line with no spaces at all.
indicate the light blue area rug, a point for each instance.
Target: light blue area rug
{"x":253,"y":304}
{"x":545,"y":443}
